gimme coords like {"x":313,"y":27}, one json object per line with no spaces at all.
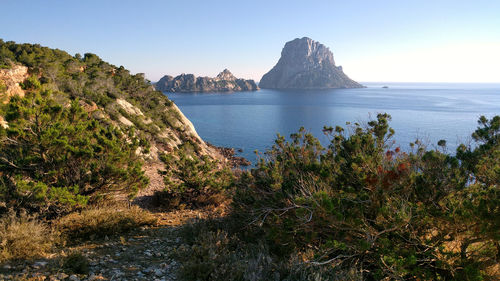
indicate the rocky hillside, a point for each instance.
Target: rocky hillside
{"x":224,"y":82}
{"x":10,"y":79}
{"x":9,"y":85}
{"x":306,"y":64}
{"x":109,"y":93}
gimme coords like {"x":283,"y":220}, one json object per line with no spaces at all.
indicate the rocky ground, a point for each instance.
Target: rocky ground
{"x":230,"y":154}
{"x":144,"y":254}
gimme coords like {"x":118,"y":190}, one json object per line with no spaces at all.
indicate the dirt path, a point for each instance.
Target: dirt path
{"x":144,"y":198}
{"x":144,"y":254}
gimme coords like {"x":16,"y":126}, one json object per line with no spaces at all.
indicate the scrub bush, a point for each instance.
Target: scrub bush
{"x":361,"y":204}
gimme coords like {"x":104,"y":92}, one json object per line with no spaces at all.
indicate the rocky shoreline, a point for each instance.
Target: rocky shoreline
{"x":229,"y":153}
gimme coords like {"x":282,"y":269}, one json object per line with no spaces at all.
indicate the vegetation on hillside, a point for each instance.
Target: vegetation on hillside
{"x":359,"y":209}
{"x":97,"y":84}
{"x":194,"y":181}
{"x":81,"y":131}
{"x":65,"y":149}
{"x":56,"y":158}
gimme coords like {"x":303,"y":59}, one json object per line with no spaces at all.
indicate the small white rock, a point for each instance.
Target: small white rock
{"x":61,"y":275}
{"x":158,"y":272}
{"x":40,"y":263}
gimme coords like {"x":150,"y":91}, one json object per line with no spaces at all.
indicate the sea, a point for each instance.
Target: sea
{"x":428,"y":112}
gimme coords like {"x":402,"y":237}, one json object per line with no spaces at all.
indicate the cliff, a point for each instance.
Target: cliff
{"x":110,"y":94}
{"x":306,"y":64}
{"x":224,"y":82}
{"x":9,"y":81}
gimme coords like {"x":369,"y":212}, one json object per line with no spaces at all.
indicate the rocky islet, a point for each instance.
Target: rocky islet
{"x":306,"y":64}
{"x":187,"y":83}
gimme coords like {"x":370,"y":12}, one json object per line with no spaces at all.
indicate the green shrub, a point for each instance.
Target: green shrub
{"x":100,"y":222}
{"x":31,"y":83}
{"x":56,"y":158}
{"x":3,"y":87}
{"x":24,"y":237}
{"x":194,"y":181}
{"x":392,"y":214}
{"x":217,"y":255}
{"x":76,"y":263}
{"x":87,"y":78}
{"x":226,"y":249}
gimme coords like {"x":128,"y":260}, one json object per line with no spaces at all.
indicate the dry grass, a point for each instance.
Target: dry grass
{"x":101,"y":222}
{"x":167,"y":200}
{"x":23,"y":237}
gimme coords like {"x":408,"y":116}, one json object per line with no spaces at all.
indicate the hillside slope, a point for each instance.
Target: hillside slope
{"x":109,"y":93}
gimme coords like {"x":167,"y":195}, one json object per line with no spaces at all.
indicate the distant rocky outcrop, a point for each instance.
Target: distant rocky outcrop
{"x":306,"y":64}
{"x":224,"y":82}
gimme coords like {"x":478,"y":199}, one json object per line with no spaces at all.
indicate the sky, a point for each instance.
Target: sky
{"x":383,"y":40}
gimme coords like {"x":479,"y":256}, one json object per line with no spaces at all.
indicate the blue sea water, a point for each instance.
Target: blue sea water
{"x":427,"y":111}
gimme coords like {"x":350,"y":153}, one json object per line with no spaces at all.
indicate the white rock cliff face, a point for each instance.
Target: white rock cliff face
{"x":129,"y":108}
{"x":9,"y":85}
{"x":306,"y":64}
{"x":10,"y":78}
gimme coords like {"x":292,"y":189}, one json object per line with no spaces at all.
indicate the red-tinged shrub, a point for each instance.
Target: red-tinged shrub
{"x":357,"y":203}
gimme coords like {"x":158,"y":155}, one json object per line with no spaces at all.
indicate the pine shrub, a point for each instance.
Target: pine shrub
{"x":55,"y":159}
{"x":362,"y":204}
{"x":194,"y":181}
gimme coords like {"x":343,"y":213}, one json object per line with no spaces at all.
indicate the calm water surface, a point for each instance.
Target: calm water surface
{"x":427,"y":111}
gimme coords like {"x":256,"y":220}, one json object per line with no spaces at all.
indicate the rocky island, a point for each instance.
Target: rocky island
{"x":306,"y":64}
{"x":224,"y":82}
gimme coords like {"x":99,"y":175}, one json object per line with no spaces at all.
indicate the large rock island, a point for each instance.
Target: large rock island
{"x":306,"y":64}
{"x":224,"y":82}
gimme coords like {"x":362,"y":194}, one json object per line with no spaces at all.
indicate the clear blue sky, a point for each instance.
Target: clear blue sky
{"x":438,"y":40}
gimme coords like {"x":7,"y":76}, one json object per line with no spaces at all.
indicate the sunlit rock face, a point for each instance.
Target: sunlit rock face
{"x":9,"y":81}
{"x":306,"y":64}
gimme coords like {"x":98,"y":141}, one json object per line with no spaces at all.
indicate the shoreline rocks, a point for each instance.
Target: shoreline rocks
{"x":229,"y":153}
